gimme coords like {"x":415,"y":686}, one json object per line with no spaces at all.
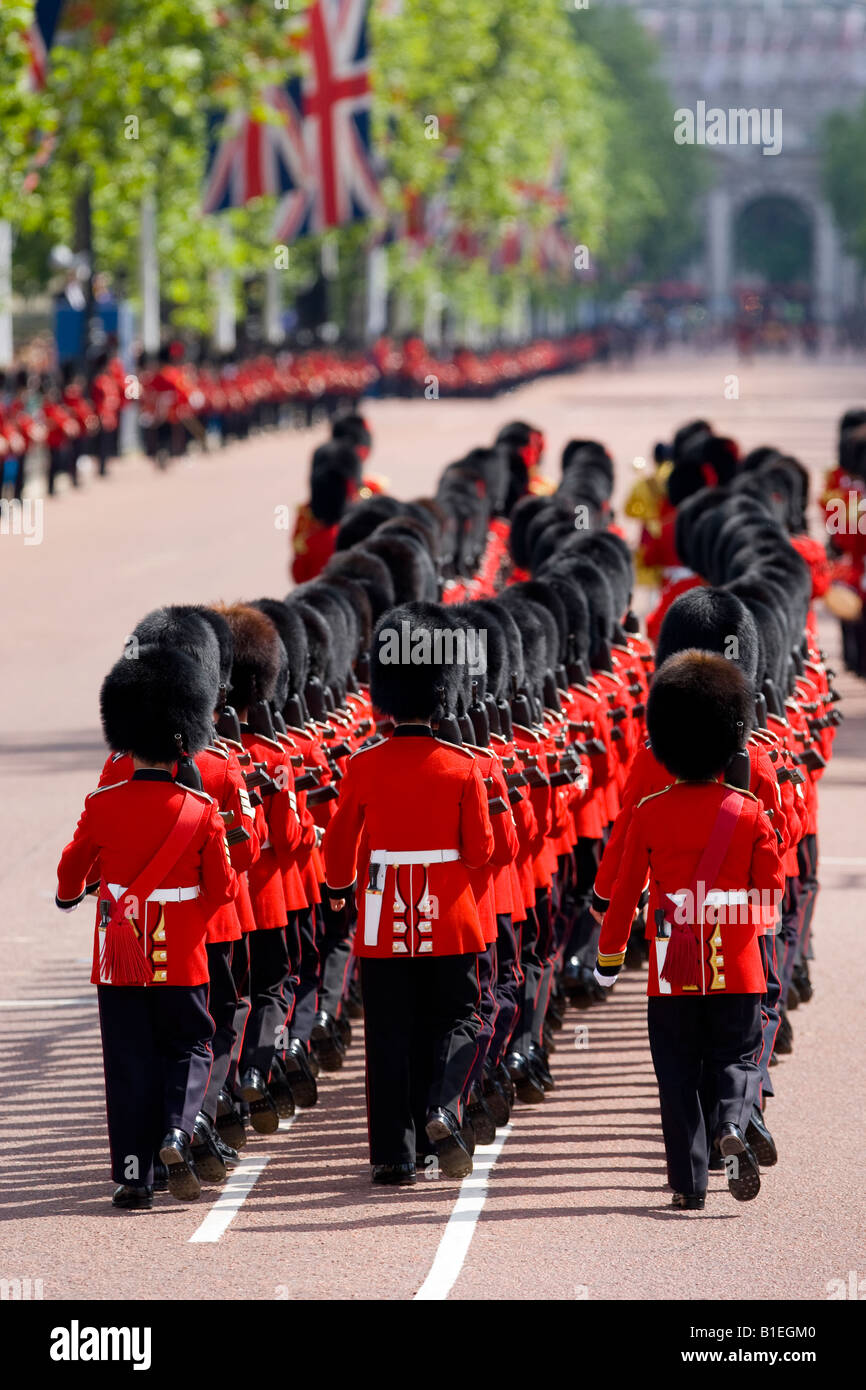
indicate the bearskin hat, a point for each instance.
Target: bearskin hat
{"x":408,"y":675}
{"x":361,"y":520}
{"x":595,"y":586}
{"x":223,"y":634}
{"x":545,"y":596}
{"x":549,"y":542}
{"x":356,"y":594}
{"x":499,"y":679}
{"x":316,"y":636}
{"x":406,"y":525}
{"x":257,"y":655}
{"x":535,"y":637}
{"x":335,"y":477}
{"x":712,"y":620}
{"x":756,"y":458}
{"x":773,"y":635}
{"x":157,"y":704}
{"x":491,"y":467}
{"x":184,"y":628}
{"x":363,"y":567}
{"x":355,"y":430}
{"x":522,"y":515}
{"x":699,"y":714}
{"x":343,"y":628}
{"x":412,"y":572}
{"x":292,"y":635}
{"x":490,"y":634}
{"x":614,"y":558}
{"x":576,"y":610}
{"x":689,"y":514}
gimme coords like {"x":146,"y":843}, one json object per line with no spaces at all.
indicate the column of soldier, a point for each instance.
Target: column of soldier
{"x":74,"y":414}
{"x":345,"y":817}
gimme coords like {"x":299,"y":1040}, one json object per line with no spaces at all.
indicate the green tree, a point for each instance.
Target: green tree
{"x":844,"y":175}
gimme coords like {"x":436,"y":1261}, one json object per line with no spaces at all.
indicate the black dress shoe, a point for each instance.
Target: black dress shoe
{"x":528,"y":1086}
{"x":325,"y":1042}
{"x":160,"y":1176}
{"x":715,"y":1162}
{"x":785,"y":1036}
{"x":792,"y":998}
{"x":209,"y":1162}
{"x":299,"y":1075}
{"x":130,"y":1198}
{"x":503,"y":1076}
{"x":354,"y":1004}
{"x":344,"y":1030}
{"x":688,"y":1201}
{"x":744,"y":1175}
{"x":539,"y":1064}
{"x":496,"y":1101}
{"x":176,"y":1154}
{"x":394,"y":1175}
{"x":803,"y":982}
{"x":230,"y":1122}
{"x":547,"y":1039}
{"x":228,"y":1155}
{"x":481,"y":1117}
{"x":454,"y":1159}
{"x":467,"y":1134}
{"x":280,"y":1090}
{"x":264,"y":1116}
{"x":761,"y":1141}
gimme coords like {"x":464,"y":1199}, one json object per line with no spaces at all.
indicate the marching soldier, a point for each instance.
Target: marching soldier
{"x":157,"y":855}
{"x":709,"y":849}
{"x":418,"y":935}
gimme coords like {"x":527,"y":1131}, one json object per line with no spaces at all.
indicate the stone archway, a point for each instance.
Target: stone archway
{"x":773,"y":239}
{"x":727,"y":202}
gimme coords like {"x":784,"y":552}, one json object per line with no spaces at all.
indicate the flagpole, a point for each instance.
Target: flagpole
{"x":6,"y":347}
{"x":148,"y":269}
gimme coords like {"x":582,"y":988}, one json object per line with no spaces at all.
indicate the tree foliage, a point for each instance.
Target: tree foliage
{"x":844,"y":176}
{"x":509,"y":86}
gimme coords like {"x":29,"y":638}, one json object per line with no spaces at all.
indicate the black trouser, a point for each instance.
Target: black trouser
{"x":241,"y":977}
{"x":702,"y":1044}
{"x":222,"y":1003}
{"x":807,"y":863}
{"x":269,"y":968}
{"x":421,"y":1025}
{"x":545,"y":957}
{"x":157,"y":1057}
{"x":487,"y":1008}
{"x":335,"y":955}
{"x":531,"y":965}
{"x":509,"y":986}
{"x":585,"y":931}
{"x":307,"y":970}
{"x":770,"y":1014}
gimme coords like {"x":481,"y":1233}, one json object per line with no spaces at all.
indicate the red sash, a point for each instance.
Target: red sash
{"x":682,"y":963}
{"x":122,"y":958}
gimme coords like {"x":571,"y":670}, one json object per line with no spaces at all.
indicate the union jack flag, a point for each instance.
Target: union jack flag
{"x":40,"y":37}
{"x":318,"y":155}
{"x":250,"y":158}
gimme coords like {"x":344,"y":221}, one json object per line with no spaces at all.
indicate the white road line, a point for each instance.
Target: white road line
{"x":232,"y":1197}
{"x":457,"y":1236}
{"x":831,"y":859}
{"x":73,"y":1003}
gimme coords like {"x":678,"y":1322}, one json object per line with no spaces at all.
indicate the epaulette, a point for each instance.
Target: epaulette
{"x":116,"y":757}
{"x":220,"y":752}
{"x":750,"y":795}
{"x":651,"y":795}
{"x":456,"y":748}
{"x":271,"y":742}
{"x":112,"y":786}
{"x":194,"y":791}
{"x":369,"y":748}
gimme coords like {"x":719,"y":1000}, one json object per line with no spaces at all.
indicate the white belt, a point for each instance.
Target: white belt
{"x":266,"y":844}
{"x":162,"y":895}
{"x":414,"y":856}
{"x":717,"y":897}
{"x":373,"y":898}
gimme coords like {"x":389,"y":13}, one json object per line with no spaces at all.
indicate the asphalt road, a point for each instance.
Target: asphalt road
{"x":575,"y":1206}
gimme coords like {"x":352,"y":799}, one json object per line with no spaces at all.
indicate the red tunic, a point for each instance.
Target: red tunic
{"x":120,"y":830}
{"x":666,"y":837}
{"x":408,"y":794}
